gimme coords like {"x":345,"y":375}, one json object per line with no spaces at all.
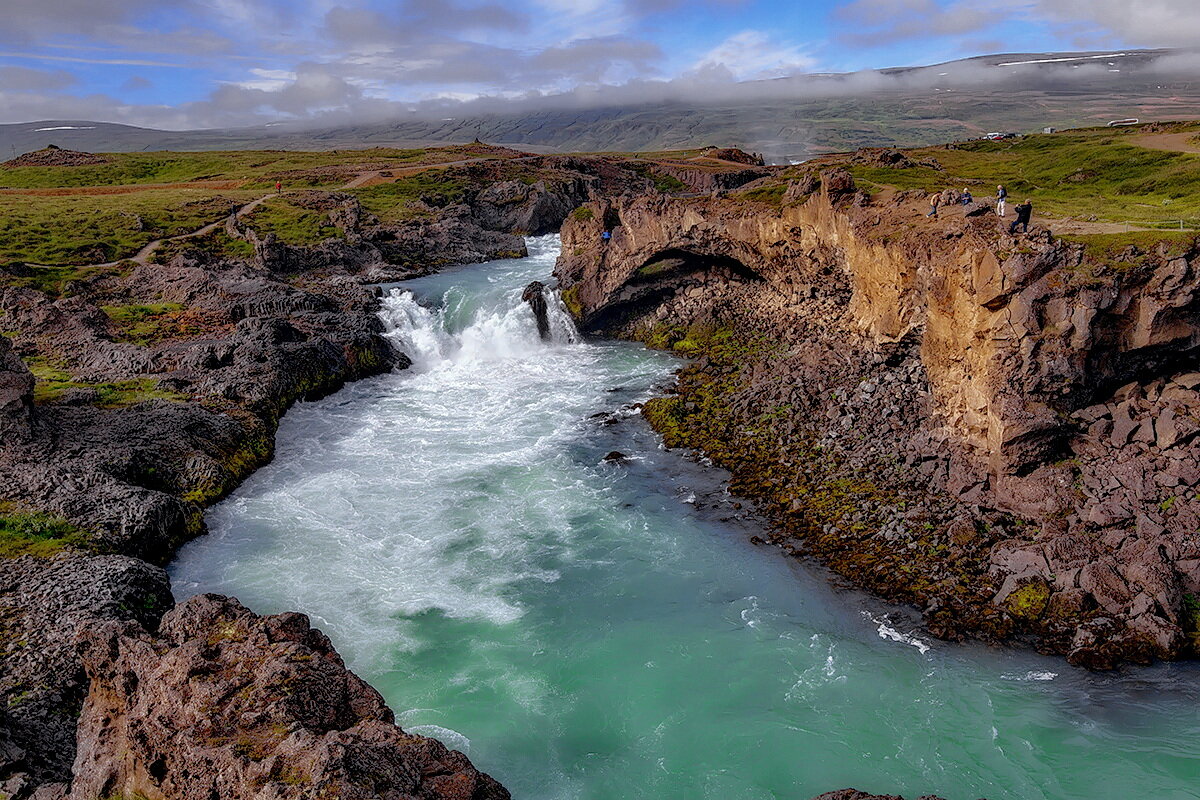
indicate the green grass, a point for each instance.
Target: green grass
{"x":391,"y":201}
{"x":52,"y":381}
{"x":771,"y":195}
{"x":291,"y":223}
{"x":1127,"y":248}
{"x":89,"y":229}
{"x":1083,"y":174}
{"x":36,"y":534}
{"x":56,"y":281}
{"x":140,"y":324}
{"x":259,"y":168}
{"x":217,"y":244}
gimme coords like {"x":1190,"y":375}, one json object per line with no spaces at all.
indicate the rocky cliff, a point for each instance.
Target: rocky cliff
{"x":134,"y":395}
{"x":224,"y":703}
{"x":1002,"y":431}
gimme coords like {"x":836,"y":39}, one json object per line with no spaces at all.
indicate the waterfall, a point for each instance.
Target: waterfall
{"x":462,"y":329}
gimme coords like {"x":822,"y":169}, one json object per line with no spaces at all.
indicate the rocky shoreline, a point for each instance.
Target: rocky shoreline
{"x":159,"y":387}
{"x":140,"y":418}
{"x":1000,"y":431}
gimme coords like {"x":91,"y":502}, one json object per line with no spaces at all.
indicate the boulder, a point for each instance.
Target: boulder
{"x":225,"y":703}
{"x":535,"y":296}
{"x":16,"y":394}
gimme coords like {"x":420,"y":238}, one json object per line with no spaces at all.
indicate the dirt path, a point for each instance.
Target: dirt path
{"x":1172,"y":142}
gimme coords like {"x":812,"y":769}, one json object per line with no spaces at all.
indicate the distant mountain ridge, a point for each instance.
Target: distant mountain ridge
{"x":787,"y":119}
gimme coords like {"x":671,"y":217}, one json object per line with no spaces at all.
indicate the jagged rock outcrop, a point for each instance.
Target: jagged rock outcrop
{"x":224,"y":703}
{"x":535,"y":295}
{"x":44,"y":604}
{"x":16,"y":394}
{"x":162,"y":383}
{"x":975,"y":372}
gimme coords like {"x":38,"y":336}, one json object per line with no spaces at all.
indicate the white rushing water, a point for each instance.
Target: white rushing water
{"x":589,"y":630}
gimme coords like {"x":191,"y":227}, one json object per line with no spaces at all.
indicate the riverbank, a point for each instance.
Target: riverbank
{"x":133,"y":395}
{"x":464,"y":535}
{"x":980,"y":425}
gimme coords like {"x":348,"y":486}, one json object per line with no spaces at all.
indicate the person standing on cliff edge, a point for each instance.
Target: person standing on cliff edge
{"x":1001,"y":196}
{"x":1024,"y":212}
{"x":935,"y":200}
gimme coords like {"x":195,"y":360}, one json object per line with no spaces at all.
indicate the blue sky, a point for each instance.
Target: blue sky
{"x":196,"y":63}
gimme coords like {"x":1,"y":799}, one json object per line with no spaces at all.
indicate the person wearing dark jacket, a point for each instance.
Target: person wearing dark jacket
{"x":1024,"y":212}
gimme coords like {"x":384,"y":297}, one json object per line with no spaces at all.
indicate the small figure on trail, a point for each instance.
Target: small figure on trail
{"x":1024,"y":212}
{"x":966,"y":197}
{"x":278,"y":187}
{"x":1001,"y":196}
{"x":604,"y":237}
{"x":935,"y":200}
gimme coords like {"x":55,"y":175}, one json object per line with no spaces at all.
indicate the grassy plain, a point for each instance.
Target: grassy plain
{"x":1097,"y":174}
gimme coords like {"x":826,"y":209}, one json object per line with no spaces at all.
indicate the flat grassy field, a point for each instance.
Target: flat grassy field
{"x":249,"y":168}
{"x":1095,"y":175}
{"x":94,"y":228}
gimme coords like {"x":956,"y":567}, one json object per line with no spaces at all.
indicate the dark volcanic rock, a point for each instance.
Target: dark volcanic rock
{"x":44,"y":604}
{"x":1007,"y":437}
{"x":535,"y":296}
{"x":223,"y":703}
{"x":16,"y":394}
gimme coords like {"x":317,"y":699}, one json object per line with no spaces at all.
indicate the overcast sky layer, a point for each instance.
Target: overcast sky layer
{"x":209,"y":63}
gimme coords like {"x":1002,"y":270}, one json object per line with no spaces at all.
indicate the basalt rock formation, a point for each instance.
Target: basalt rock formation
{"x":535,"y":295}
{"x":135,"y":395}
{"x":224,"y":703}
{"x":16,"y":395}
{"x":1003,"y":431}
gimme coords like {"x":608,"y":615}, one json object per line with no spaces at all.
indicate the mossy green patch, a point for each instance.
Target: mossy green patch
{"x":1028,"y":602}
{"x":290,"y":223}
{"x":771,"y":194}
{"x":33,"y":533}
{"x":141,"y":324}
{"x":570,"y":298}
{"x":52,"y":380}
{"x":394,"y":202}
{"x":583,"y":214}
{"x":59,"y":281}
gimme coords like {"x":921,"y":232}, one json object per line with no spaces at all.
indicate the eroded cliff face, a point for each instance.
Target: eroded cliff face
{"x":997,"y":429}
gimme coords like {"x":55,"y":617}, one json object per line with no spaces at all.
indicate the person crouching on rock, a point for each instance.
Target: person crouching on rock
{"x":966,"y":197}
{"x":935,"y":200}
{"x":604,"y":237}
{"x":1024,"y":212}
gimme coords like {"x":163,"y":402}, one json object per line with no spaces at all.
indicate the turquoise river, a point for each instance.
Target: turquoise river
{"x":583,"y":629}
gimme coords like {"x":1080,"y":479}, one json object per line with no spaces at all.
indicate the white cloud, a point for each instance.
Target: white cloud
{"x":1153,"y":23}
{"x":754,"y":54}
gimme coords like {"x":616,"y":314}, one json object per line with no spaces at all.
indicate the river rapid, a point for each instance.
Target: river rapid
{"x":583,"y":629}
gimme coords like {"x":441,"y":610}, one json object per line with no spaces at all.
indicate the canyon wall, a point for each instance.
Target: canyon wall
{"x":1001,"y":430}
{"x":159,"y":387}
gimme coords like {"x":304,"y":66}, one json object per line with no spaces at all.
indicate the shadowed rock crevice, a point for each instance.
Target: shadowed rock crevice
{"x":670,"y":272}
